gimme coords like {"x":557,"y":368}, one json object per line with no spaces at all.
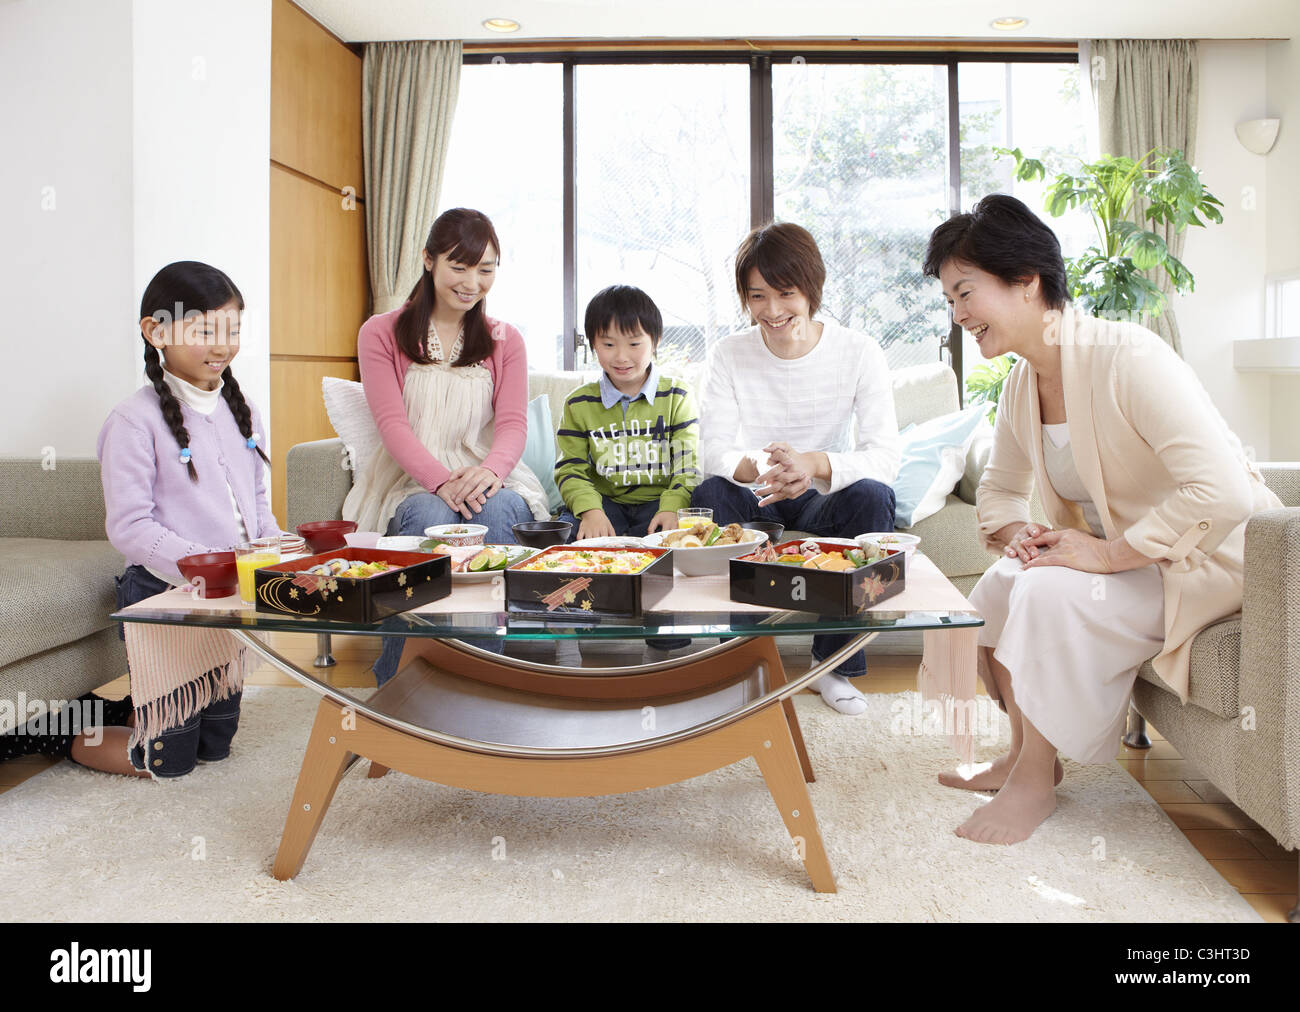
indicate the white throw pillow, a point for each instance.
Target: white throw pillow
{"x":345,"y":403}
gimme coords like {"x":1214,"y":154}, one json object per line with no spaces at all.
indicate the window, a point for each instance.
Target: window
{"x":662,"y":179}
{"x":1034,"y":107}
{"x":602,"y":168}
{"x":1283,"y":305}
{"x":860,"y":160}
{"x":507,"y":161}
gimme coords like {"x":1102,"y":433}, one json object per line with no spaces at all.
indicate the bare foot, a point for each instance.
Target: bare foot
{"x":1012,"y":816}
{"x":993,"y":778}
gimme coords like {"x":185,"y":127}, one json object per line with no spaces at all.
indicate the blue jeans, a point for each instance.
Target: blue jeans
{"x":630,"y":520}
{"x":424,"y":509}
{"x":861,"y":508}
{"x":206,"y":735}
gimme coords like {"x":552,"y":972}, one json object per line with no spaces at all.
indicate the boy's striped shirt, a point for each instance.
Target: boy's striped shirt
{"x":647,"y":454}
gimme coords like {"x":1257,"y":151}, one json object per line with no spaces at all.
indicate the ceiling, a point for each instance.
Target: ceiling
{"x":386,"y":20}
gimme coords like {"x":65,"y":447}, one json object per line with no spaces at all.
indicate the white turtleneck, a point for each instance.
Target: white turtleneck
{"x":204,"y":402}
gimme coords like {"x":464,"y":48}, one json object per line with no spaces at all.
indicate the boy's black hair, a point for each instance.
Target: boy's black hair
{"x":1002,"y":236}
{"x":624,"y":308}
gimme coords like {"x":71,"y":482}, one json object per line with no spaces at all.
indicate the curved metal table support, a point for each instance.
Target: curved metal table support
{"x":764,"y":728}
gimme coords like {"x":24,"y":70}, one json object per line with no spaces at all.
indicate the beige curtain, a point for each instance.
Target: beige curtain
{"x":1145,"y":90}
{"x":408,"y":99}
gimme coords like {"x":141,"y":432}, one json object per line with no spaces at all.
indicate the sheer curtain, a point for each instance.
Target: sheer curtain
{"x":1146,"y":92}
{"x":408,"y":99}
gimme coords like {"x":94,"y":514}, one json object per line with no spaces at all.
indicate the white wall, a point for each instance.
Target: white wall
{"x":202,"y":132}
{"x":1228,"y":260}
{"x":65,"y":264}
{"x":1283,"y":251}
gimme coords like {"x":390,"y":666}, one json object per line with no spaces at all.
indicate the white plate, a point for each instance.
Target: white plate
{"x":905,"y":543}
{"x":514,"y":553}
{"x":610,"y":543}
{"x":707,"y":560}
{"x":399,"y":543}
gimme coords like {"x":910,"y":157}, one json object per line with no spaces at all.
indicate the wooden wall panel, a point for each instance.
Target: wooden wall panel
{"x":320,"y":286}
{"x":299,"y":413}
{"x":315,"y":100}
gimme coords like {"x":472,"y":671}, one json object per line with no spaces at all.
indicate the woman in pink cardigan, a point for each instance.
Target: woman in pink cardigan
{"x":448,"y":388}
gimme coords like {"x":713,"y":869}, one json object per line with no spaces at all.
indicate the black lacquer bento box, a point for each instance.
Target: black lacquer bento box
{"x":286,"y":588}
{"x":589,"y":595}
{"x":834,"y":594}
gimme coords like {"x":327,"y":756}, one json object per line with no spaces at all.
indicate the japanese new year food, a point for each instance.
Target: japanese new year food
{"x":706,"y":534}
{"x":585,"y":561}
{"x":480,"y":558}
{"x":809,"y":555}
{"x":350,"y":569}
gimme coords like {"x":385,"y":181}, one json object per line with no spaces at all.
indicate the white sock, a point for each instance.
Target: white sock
{"x":840,"y":694}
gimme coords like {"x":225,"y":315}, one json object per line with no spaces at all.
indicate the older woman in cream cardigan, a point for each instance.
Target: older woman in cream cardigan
{"x":1147,"y":491}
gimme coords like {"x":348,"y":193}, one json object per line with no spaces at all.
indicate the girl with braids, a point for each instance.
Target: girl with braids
{"x":184,"y":472}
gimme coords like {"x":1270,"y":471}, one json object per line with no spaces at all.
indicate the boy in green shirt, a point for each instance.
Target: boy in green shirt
{"x":628,"y":441}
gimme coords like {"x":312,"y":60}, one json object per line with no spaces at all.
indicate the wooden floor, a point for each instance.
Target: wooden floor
{"x":1244,"y":854}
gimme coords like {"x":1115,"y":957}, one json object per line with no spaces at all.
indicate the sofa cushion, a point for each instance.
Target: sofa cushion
{"x":933,"y":460}
{"x":1215,"y":667}
{"x":349,"y":414}
{"x":51,"y":497}
{"x":54,"y":592}
{"x":950,"y":539}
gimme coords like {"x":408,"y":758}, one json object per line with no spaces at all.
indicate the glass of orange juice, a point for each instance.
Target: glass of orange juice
{"x":252,"y":555}
{"x":688,"y":518}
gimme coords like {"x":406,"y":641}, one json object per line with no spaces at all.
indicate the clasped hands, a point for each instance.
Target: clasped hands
{"x":468,"y":489}
{"x":1036,"y":545}
{"x":790,"y":475}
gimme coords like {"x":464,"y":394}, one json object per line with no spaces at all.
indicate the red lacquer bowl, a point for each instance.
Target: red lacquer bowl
{"x":326,"y":535}
{"x":213,"y":571}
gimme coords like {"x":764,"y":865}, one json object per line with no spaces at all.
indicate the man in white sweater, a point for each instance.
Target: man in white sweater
{"x":797,"y":420}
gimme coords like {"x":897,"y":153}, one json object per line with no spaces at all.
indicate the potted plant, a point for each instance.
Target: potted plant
{"x":1109,"y":279}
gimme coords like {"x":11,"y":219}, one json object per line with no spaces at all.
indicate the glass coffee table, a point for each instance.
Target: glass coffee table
{"x":470,"y":716}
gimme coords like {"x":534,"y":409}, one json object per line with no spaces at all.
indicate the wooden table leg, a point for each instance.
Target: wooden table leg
{"x":322,"y":768}
{"x":776,"y":678}
{"x":780,"y":765}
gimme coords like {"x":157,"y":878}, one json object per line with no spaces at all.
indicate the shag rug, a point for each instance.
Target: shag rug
{"x":76,"y":845}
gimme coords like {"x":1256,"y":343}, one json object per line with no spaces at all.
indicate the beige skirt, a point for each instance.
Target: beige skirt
{"x":1073,"y":643}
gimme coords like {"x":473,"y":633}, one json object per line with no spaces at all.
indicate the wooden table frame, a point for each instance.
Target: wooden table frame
{"x":767,"y":729}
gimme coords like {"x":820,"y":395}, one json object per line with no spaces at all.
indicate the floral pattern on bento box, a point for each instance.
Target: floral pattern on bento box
{"x":835,"y":579}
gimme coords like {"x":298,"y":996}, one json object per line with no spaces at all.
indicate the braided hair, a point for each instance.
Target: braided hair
{"x":239,"y":408}
{"x":188,"y":286}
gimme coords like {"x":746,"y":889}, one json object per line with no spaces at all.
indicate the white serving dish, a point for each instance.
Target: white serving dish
{"x":905,"y":543}
{"x":457,"y":534}
{"x":710,"y":561}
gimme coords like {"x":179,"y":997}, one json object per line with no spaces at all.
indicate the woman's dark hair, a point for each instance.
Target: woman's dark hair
{"x":179,"y":290}
{"x":787,"y":257}
{"x":625,"y":308}
{"x":463,"y":235}
{"x":1001,"y":236}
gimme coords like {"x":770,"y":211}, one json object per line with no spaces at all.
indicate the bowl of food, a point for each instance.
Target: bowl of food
{"x":542,"y":533}
{"x":459,"y":535}
{"x":362,"y":539}
{"x":705,"y":549}
{"x":891,"y":540}
{"x":326,"y":535}
{"x":212,"y":572}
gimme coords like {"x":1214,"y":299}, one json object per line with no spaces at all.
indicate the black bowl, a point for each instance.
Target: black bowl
{"x":543,"y":533}
{"x":771,"y":529}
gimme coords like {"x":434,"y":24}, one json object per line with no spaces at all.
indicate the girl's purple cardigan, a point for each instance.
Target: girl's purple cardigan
{"x":155,"y":513}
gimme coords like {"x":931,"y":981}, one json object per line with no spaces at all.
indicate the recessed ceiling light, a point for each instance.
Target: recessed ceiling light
{"x":501,"y":24}
{"x":1009,"y":24}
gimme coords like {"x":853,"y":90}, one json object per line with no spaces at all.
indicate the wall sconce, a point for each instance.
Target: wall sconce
{"x":1258,"y":135}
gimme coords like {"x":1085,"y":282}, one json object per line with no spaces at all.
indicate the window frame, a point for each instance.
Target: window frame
{"x":761,"y":175}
